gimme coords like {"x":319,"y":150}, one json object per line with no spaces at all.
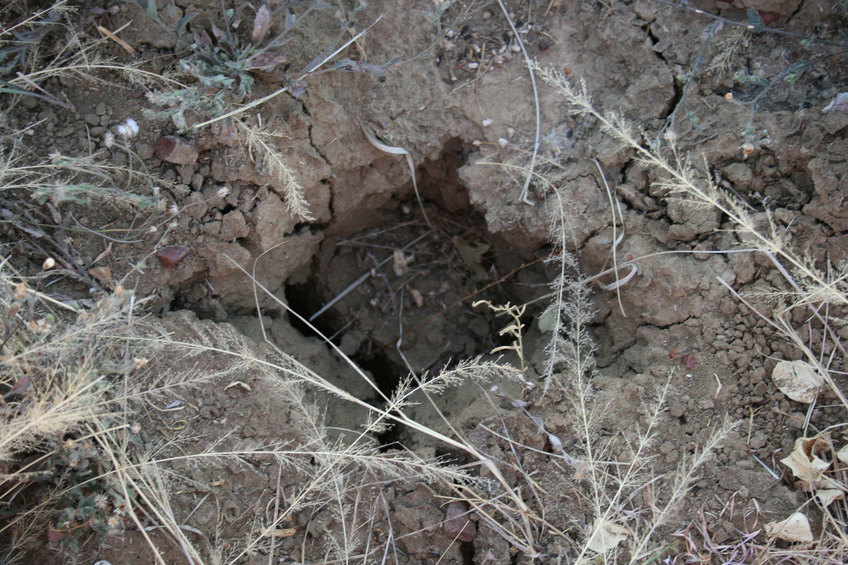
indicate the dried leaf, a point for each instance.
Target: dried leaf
{"x":606,"y":536}
{"x":804,"y":460}
{"x":102,"y":274}
{"x":471,"y":254}
{"x":828,"y":495}
{"x":796,"y":528}
{"x":265,"y":62}
{"x":547,"y":322}
{"x":842,"y":454}
{"x":798,"y":380}
{"x":261,"y":23}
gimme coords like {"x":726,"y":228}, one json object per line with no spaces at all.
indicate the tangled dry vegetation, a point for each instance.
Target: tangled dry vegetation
{"x":82,"y":382}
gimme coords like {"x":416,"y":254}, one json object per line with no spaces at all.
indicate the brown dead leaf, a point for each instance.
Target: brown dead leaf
{"x":798,"y":380}
{"x":606,"y":536}
{"x":804,"y":460}
{"x":261,"y":24}
{"x":265,"y":61}
{"x":102,"y":274}
{"x":794,"y":529}
{"x":828,"y":495}
{"x":842,"y":454}
{"x":471,"y":254}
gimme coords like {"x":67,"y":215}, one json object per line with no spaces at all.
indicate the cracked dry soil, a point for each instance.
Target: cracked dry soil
{"x":457,"y":96}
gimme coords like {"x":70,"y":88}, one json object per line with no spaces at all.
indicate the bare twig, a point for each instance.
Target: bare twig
{"x":526,"y":190}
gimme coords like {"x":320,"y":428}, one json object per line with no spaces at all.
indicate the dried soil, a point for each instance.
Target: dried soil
{"x":457,"y":96}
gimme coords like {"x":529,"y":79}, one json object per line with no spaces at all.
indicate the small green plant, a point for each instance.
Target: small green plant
{"x":224,"y":64}
{"x":19,"y":42}
{"x":60,"y":371}
{"x":92,"y":504}
{"x":19,"y":51}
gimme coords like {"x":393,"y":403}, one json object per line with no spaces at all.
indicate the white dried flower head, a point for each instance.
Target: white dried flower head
{"x":133,"y":126}
{"x":152,"y":229}
{"x":48,"y":264}
{"x":670,"y":136}
{"x":128,"y":129}
{"x":503,"y":142}
{"x":135,"y":427}
{"x":223,"y":192}
{"x":101,"y":502}
{"x":108,"y":139}
{"x":173,"y":209}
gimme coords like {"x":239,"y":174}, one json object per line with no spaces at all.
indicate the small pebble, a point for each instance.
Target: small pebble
{"x":457,"y":524}
{"x":170,"y":256}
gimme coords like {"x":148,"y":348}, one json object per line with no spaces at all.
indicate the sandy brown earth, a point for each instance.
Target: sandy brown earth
{"x":453,"y":90}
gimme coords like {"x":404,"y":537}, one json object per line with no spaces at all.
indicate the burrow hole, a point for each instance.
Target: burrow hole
{"x":407,"y":288}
